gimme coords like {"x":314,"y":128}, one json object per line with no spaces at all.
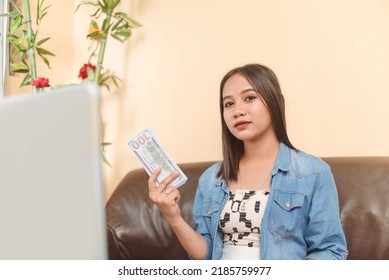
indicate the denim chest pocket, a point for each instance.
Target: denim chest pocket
{"x":286,"y":213}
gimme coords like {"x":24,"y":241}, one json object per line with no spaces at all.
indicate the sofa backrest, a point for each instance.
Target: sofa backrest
{"x":363,"y":190}
{"x":137,"y":229}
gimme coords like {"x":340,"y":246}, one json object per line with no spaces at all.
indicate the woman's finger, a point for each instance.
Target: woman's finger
{"x":152,"y":182}
{"x":154,"y":190}
{"x":166,"y":182}
{"x":171,"y":194}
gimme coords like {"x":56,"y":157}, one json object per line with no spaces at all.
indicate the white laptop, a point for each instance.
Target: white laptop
{"x":51,"y":187}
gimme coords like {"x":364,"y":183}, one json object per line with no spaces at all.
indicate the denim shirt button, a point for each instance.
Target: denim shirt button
{"x":210,"y":211}
{"x":287,"y":205}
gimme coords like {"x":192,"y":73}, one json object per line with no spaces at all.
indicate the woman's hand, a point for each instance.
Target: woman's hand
{"x":165,"y":196}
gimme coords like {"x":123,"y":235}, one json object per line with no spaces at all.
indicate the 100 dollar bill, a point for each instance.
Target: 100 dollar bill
{"x":150,"y":153}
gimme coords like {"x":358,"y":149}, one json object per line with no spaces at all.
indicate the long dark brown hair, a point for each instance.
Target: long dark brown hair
{"x":266,"y":84}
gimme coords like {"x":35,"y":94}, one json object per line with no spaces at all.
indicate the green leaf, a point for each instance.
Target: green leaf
{"x":20,"y":66}
{"x":122,"y":34}
{"x":103,"y":80}
{"x":24,"y":56}
{"x":114,"y":79}
{"x":17,"y":41}
{"x":27,"y":80}
{"x":111,"y":4}
{"x":44,"y":11}
{"x":91,"y":73}
{"x":40,"y":18}
{"x":42,"y":51}
{"x":124,"y":31}
{"x":38,"y":8}
{"x":21,"y":71}
{"x":97,"y":13}
{"x":95,"y":35}
{"x":94,"y":24}
{"x":105,"y":85}
{"x":39,"y":5}
{"x":134,"y":22}
{"x":117,"y":38}
{"x":128,"y":19}
{"x":16,"y":23}
{"x":89,"y":3}
{"x":105,"y":26}
{"x":105,"y":160}
{"x":11,"y":14}
{"x":42,"y":41}
{"x":104,"y":144}
{"x":45,"y":60}
{"x":115,"y":26}
{"x":103,"y":7}
{"x":24,"y":36}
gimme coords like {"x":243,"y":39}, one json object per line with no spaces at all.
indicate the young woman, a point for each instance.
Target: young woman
{"x":266,"y":199}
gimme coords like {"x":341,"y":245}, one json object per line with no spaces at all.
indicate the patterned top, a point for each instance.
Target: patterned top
{"x":241,"y":218}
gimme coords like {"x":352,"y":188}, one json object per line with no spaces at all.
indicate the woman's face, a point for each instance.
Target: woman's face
{"x":245,"y":114}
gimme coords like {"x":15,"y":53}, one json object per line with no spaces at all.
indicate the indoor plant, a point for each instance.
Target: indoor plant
{"x":106,"y":21}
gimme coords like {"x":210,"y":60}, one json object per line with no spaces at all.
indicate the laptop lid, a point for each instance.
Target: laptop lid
{"x":51,"y":188}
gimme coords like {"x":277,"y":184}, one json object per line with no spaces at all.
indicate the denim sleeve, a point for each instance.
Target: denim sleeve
{"x":201,"y":224}
{"x":324,"y":235}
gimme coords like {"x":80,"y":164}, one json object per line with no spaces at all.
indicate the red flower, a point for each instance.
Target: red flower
{"x":40,"y":83}
{"x":83,"y":74}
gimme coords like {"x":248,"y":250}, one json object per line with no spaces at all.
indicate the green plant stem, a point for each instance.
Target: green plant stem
{"x":30,"y":34}
{"x":102,"y":51}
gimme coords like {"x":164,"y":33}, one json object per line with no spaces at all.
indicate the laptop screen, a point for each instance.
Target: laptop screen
{"x":51,"y":187}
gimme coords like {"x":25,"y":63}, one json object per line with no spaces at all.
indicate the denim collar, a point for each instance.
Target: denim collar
{"x":282,"y":161}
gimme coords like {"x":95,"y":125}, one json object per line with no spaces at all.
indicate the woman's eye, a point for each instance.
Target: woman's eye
{"x":251,"y":97}
{"x":227,"y":104}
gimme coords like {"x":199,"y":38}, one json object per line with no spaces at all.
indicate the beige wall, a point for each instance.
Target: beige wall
{"x":331,"y":58}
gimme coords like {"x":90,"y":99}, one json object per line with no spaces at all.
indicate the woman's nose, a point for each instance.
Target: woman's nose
{"x":239,"y":112}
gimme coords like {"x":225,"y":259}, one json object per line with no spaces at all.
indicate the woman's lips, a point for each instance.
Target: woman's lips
{"x":241,"y":125}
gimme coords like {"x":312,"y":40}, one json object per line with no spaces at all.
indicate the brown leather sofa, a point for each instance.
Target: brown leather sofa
{"x":137,"y":230}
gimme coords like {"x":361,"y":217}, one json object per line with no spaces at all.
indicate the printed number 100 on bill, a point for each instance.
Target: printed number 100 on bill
{"x":150,"y":153}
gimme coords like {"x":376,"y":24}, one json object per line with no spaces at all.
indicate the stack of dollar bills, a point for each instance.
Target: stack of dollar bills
{"x":150,"y":153}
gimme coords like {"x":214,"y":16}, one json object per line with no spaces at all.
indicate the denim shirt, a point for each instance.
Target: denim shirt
{"x":301,"y":218}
